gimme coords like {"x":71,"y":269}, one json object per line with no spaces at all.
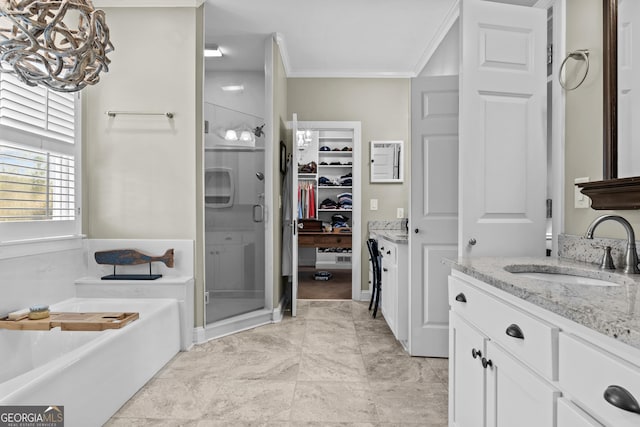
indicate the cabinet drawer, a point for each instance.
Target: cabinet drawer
{"x":586,"y":371}
{"x":569,"y":415}
{"x":389,"y":251}
{"x":531,"y":340}
{"x":223,"y":238}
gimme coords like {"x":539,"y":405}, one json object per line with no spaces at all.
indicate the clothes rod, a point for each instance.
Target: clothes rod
{"x":137,"y":113}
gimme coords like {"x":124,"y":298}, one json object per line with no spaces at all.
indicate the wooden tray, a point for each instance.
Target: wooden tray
{"x":98,"y":321}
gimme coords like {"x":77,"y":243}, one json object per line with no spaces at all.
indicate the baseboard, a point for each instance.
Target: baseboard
{"x":199,"y":335}
{"x":278,"y":312}
{"x":365,"y":295}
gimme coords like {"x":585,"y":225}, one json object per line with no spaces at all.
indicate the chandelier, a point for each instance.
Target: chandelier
{"x":60,"y":44}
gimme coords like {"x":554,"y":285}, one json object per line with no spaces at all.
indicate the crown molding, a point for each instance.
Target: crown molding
{"x":443,"y":30}
{"x":147,"y":3}
{"x":284,"y":54}
{"x":280,"y":40}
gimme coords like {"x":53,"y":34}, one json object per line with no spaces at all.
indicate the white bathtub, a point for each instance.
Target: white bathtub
{"x":91,"y":373}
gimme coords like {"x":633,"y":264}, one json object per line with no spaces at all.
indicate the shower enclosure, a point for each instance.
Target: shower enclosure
{"x":234,"y":193}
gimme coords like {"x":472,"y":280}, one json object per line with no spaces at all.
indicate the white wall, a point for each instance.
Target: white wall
{"x":40,"y":279}
{"x":140,"y":170}
{"x":445,"y":61}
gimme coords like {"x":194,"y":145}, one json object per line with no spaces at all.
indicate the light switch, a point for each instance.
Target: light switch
{"x":400,"y":213}
{"x":580,"y":200}
{"x":373,"y":204}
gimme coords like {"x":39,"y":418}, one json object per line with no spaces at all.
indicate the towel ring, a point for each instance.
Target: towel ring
{"x":576,"y":54}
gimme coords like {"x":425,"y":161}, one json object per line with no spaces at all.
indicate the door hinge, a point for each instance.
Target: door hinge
{"x":206,"y":297}
{"x":549,"y":208}
{"x":550,"y":54}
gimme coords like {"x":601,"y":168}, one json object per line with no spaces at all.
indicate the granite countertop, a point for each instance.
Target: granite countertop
{"x":396,"y":236}
{"x":610,"y":310}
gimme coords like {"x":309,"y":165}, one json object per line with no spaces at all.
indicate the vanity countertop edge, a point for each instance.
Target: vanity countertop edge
{"x":611,"y":311}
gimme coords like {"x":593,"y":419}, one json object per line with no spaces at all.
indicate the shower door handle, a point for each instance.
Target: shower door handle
{"x":260,"y":213}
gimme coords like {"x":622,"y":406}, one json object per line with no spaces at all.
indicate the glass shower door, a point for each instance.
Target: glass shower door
{"x":234,"y":214}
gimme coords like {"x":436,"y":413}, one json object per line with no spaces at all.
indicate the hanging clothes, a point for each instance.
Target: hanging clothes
{"x":287,"y":219}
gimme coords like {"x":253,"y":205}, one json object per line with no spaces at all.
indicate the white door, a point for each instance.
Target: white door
{"x":502,"y":161}
{"x":294,"y":216}
{"x":385,"y":161}
{"x":433,"y":210}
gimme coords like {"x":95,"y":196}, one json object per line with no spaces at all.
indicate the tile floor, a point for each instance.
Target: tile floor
{"x":332,"y":365}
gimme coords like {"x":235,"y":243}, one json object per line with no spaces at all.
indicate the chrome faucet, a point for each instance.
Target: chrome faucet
{"x":631,"y":256}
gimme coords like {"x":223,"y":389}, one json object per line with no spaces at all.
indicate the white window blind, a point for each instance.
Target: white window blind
{"x":36,"y":110}
{"x":38,"y":154}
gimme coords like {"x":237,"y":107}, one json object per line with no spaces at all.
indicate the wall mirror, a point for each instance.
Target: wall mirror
{"x":620,"y":185}
{"x":386,"y":161}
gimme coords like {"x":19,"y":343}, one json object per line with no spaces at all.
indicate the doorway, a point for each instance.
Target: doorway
{"x":326,"y":179}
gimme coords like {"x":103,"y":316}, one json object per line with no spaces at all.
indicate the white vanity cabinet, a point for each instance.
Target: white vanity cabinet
{"x":512,"y":363}
{"x":489,"y":386}
{"x":395,"y":287}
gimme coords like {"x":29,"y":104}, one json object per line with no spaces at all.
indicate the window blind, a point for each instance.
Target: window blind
{"x":36,"y":110}
{"x":37,"y":160}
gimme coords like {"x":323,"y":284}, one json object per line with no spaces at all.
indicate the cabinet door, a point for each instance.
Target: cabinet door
{"x":467,"y":378}
{"x":225,"y":267}
{"x":516,"y":396}
{"x":389,"y":294}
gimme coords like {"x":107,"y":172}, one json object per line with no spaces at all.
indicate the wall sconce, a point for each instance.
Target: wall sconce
{"x":42,"y":44}
{"x":246,"y":136}
{"x":231,"y":135}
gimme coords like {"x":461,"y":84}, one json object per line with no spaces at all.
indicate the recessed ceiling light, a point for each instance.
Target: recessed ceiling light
{"x":212,"y":51}
{"x":233,"y":88}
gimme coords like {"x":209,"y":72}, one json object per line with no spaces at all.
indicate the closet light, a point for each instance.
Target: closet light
{"x":231,"y":135}
{"x":212,"y":51}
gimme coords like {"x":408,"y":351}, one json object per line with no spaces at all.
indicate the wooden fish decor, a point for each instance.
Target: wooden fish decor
{"x":132,"y":257}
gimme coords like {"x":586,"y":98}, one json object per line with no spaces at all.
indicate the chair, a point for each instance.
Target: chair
{"x":376,"y":268}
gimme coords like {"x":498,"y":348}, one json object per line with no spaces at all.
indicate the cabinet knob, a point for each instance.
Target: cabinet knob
{"x":621,"y":398}
{"x":384,"y":269}
{"x":461,"y":298}
{"x":472,"y":241}
{"x":416,"y":231}
{"x":388,"y":252}
{"x":486,"y":363}
{"x":475,"y":353}
{"x":514,"y":331}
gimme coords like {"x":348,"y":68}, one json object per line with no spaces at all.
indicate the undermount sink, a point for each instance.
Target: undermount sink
{"x":568,"y":279}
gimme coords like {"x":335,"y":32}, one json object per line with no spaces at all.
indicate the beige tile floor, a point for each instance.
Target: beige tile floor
{"x":332,"y":365}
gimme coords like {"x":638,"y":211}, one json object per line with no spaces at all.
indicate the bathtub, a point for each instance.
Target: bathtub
{"x":92,"y":374}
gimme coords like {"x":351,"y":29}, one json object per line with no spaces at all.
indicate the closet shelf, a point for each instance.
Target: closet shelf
{"x":334,"y":210}
{"x":335,"y":166}
{"x":335,"y":187}
{"x":335,"y":153}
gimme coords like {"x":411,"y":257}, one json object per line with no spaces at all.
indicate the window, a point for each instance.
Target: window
{"x":38,"y":161}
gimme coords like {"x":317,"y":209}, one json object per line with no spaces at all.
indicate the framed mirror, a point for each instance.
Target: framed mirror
{"x":386,"y":161}
{"x":620,"y":185}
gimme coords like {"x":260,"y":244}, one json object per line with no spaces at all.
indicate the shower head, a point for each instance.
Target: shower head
{"x":260,"y":175}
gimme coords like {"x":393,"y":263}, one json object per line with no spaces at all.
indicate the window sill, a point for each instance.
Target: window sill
{"x":26,"y":247}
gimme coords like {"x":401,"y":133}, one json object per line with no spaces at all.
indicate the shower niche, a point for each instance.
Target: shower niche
{"x":219,"y":187}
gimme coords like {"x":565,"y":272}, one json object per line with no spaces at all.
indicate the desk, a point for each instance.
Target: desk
{"x":324,"y":240}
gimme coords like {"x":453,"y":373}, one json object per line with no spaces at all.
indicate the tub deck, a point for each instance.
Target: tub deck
{"x":92,"y":374}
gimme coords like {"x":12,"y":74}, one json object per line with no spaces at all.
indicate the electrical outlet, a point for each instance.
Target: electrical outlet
{"x":400,"y":213}
{"x":580,"y":201}
{"x":373,"y":204}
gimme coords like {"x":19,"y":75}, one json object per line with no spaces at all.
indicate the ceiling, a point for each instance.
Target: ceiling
{"x":330,"y":38}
